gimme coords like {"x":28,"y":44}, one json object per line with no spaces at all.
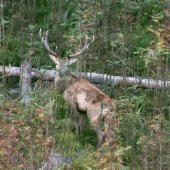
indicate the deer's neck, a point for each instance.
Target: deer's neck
{"x":63,"y":80}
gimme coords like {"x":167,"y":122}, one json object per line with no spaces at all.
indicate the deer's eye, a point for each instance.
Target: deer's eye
{"x":56,"y":63}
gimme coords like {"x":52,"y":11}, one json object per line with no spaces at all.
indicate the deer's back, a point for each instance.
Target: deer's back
{"x":84,"y":94}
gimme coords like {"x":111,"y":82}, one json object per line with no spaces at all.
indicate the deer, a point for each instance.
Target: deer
{"x":81,"y":97}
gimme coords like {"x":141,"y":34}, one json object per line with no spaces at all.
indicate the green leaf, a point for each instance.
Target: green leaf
{"x":5,"y":22}
{"x":1,"y":5}
{"x":31,"y":27}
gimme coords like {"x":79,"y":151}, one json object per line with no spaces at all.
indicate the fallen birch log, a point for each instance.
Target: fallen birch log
{"x":92,"y":77}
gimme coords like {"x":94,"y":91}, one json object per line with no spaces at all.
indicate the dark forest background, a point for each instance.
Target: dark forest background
{"x":131,"y":40}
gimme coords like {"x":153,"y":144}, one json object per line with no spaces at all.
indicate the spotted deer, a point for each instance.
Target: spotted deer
{"x":80,"y":95}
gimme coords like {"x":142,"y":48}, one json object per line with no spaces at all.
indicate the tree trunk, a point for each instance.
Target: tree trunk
{"x":25,"y":82}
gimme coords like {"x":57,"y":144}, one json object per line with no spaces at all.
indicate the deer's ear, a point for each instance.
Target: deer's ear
{"x":71,"y":61}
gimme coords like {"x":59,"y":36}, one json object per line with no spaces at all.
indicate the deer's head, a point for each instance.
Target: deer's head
{"x":62,"y":63}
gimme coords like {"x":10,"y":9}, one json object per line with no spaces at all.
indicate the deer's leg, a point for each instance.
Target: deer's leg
{"x":96,"y":122}
{"x":80,"y":121}
{"x":74,"y":113}
{"x":100,"y":136}
{"x":108,"y":111}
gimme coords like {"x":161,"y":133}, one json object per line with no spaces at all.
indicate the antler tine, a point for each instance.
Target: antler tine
{"x":83,"y":50}
{"x":45,"y":43}
{"x":40,"y":33}
{"x":91,"y":41}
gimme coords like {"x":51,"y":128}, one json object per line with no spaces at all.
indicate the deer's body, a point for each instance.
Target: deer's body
{"x":82,"y":97}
